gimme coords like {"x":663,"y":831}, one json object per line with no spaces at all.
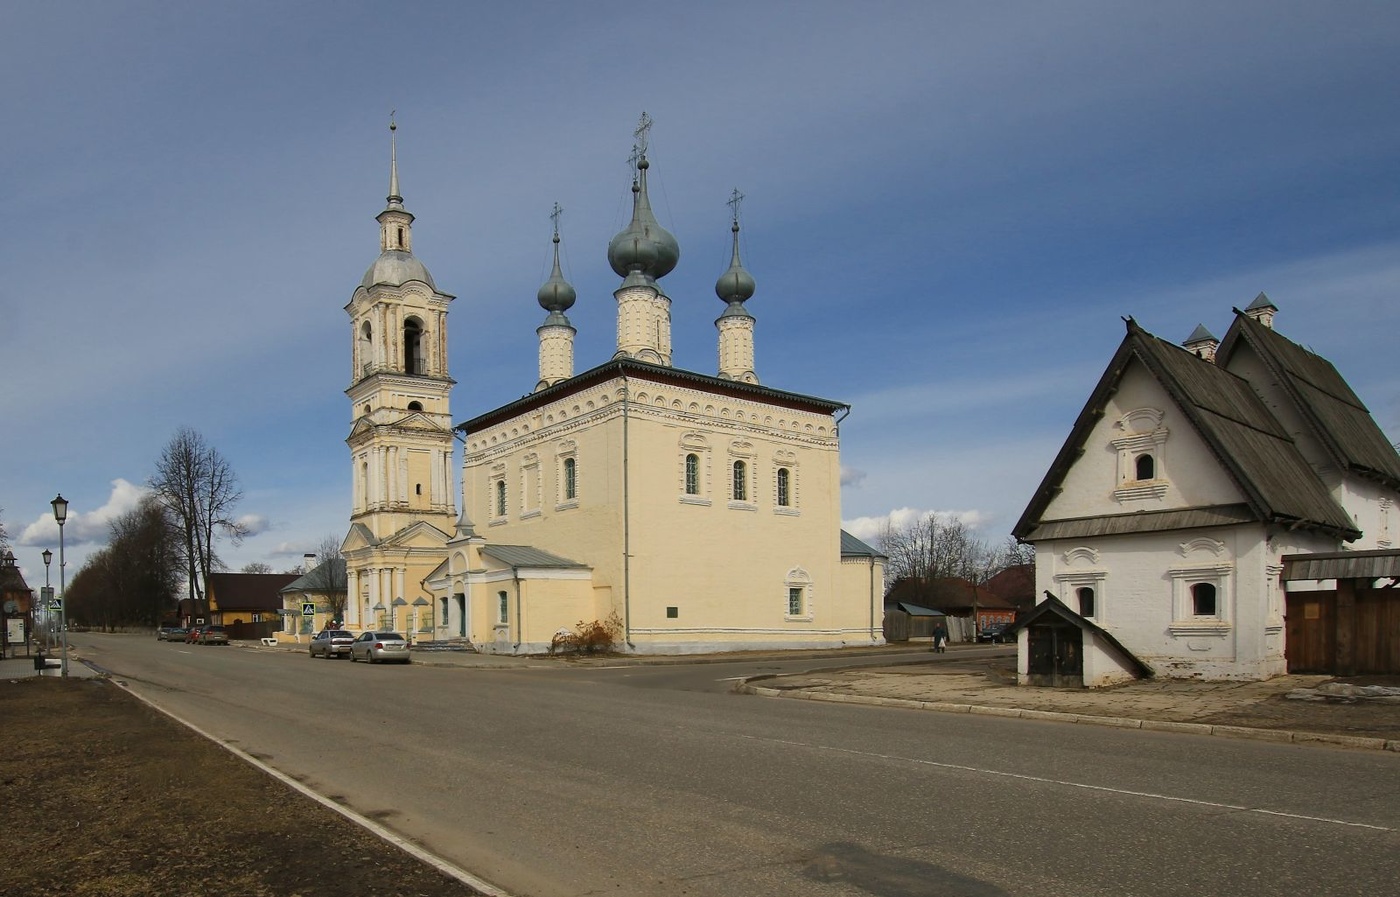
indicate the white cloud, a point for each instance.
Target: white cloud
{"x":852,"y":477}
{"x":254,"y":524}
{"x":870,"y":528}
{"x":84,"y":527}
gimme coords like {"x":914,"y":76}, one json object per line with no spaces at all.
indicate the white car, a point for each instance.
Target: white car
{"x":331,"y":643}
{"x":374,"y":647}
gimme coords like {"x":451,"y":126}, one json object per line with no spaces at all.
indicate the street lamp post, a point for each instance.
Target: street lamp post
{"x":48,"y":593}
{"x":60,"y":513}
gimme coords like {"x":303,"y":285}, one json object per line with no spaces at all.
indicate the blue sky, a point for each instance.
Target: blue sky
{"x":950,"y":207}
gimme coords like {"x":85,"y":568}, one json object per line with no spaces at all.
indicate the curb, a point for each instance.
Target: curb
{"x":1281,"y":736}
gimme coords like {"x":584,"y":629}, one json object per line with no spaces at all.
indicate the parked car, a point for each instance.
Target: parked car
{"x":993,"y":632}
{"x":380,"y":646}
{"x":192,"y":634}
{"x":213,"y":635}
{"x":331,"y":643}
{"x":170,"y":634}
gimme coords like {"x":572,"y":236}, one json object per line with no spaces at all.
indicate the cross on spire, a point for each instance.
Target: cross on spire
{"x":639,"y":146}
{"x":554,"y":216}
{"x":735,"y":199}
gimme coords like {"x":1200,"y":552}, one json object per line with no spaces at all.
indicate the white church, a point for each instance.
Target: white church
{"x":701,"y":511}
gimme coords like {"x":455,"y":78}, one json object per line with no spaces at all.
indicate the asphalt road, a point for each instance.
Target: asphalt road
{"x":656,"y":781}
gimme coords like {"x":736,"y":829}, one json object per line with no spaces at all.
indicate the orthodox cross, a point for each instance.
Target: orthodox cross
{"x":554,"y":216}
{"x":735,"y":199}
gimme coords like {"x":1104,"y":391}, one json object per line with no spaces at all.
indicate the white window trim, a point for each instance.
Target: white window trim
{"x":567,"y":450}
{"x":787,"y":461}
{"x":797,"y":578}
{"x":531,"y":486}
{"x":1069,"y":583}
{"x":697,"y":445}
{"x":1140,"y":441}
{"x":1184,"y":621}
{"x":493,"y":506}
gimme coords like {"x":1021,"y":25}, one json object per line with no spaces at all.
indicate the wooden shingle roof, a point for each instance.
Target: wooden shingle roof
{"x":1253,"y":448}
{"x":1333,"y":412}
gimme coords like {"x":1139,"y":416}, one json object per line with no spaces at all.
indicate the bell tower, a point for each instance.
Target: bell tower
{"x":401,"y":432}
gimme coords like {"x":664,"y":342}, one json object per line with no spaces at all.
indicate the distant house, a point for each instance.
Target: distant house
{"x":966,"y":609}
{"x":1220,"y":510}
{"x":248,"y":605}
{"x":322,"y":591}
{"x":16,"y":599}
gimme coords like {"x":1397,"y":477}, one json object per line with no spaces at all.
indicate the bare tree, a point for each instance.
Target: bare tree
{"x":4,"y":536}
{"x":329,"y":576}
{"x":257,"y":567}
{"x":199,"y":488}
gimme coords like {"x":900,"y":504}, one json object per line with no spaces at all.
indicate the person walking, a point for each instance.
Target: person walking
{"x":940,"y":637}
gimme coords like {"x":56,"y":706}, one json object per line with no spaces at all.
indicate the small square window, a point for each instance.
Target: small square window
{"x":672,"y":613}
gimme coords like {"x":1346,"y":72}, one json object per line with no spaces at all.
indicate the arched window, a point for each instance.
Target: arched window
{"x":500,"y":498}
{"x":570,"y":479}
{"x":415,"y":406}
{"x":412,"y":346}
{"x":784,"y":499}
{"x":741,"y":486}
{"x":1086,"y":601}
{"x":692,"y":474}
{"x":1145,"y":467}
{"x":1203,"y":603}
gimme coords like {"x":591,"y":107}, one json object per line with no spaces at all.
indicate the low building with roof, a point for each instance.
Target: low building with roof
{"x":1194,"y":483}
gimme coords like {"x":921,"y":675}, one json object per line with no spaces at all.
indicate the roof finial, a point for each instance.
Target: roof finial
{"x":556,"y":296}
{"x":735,"y":285}
{"x":554,"y":216}
{"x":394,"y":197}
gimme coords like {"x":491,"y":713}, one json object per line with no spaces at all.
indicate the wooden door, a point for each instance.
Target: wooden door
{"x":1055,"y":655}
{"x":1310,"y":632}
{"x":1377,"y":639}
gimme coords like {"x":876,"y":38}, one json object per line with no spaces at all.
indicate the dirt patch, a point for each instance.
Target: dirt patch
{"x":105,"y":796}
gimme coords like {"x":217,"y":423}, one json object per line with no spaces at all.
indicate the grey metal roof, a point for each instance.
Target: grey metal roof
{"x":853,"y":547}
{"x":396,"y":268}
{"x":527,"y":556}
{"x":1336,"y":416}
{"x":328,"y":575}
{"x":917,"y":610}
{"x":1342,"y":565}
{"x":1199,"y":335}
{"x":1251,"y":445}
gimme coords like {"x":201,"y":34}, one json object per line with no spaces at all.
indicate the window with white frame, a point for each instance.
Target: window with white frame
{"x":785,"y":483}
{"x":740,"y":481}
{"x":499,"y":504}
{"x":502,"y":608}
{"x":798,"y":590}
{"x":1201,"y":599}
{"x":742,"y":485}
{"x":1142,"y":469}
{"x":566,"y":474}
{"x":693,"y":463}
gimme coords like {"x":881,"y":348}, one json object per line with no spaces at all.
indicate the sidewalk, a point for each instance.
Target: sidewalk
{"x":1259,"y":710}
{"x":12,"y":667}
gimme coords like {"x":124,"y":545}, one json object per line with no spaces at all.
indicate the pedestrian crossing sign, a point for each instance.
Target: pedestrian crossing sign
{"x":308,"y":609}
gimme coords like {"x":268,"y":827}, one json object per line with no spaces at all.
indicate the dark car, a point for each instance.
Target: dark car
{"x":213,"y":635}
{"x":331,"y":643}
{"x":993,"y":632}
{"x":380,"y":647}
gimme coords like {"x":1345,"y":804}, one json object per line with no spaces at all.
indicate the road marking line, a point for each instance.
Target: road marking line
{"x":1046,"y":781}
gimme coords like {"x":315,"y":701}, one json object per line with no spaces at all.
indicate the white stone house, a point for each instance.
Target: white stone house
{"x":1192,"y":480}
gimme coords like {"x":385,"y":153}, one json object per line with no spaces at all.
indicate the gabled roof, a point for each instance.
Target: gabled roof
{"x":247,"y":591}
{"x":1334,"y":414}
{"x":1253,"y":448}
{"x":851,"y":547}
{"x":326,"y":577}
{"x":1054,"y":608}
{"x":914,"y":610}
{"x":630,"y":367}
{"x":1015,"y":585}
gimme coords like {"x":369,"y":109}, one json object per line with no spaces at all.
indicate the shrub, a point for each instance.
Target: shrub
{"x":597,"y":637}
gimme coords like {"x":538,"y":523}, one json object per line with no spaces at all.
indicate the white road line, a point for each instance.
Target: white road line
{"x":1045,"y":781}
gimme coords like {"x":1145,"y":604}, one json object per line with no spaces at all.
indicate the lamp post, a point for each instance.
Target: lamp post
{"x":60,"y":513}
{"x":48,"y":593}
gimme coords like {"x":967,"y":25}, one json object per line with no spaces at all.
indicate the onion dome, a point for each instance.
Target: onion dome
{"x":736,"y":284}
{"x":556,"y":296}
{"x":644,"y":246}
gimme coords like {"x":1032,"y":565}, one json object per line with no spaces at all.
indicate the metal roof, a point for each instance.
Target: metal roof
{"x":853,"y":547}
{"x":917,"y":610}
{"x":1342,"y":565}
{"x":527,"y":556}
